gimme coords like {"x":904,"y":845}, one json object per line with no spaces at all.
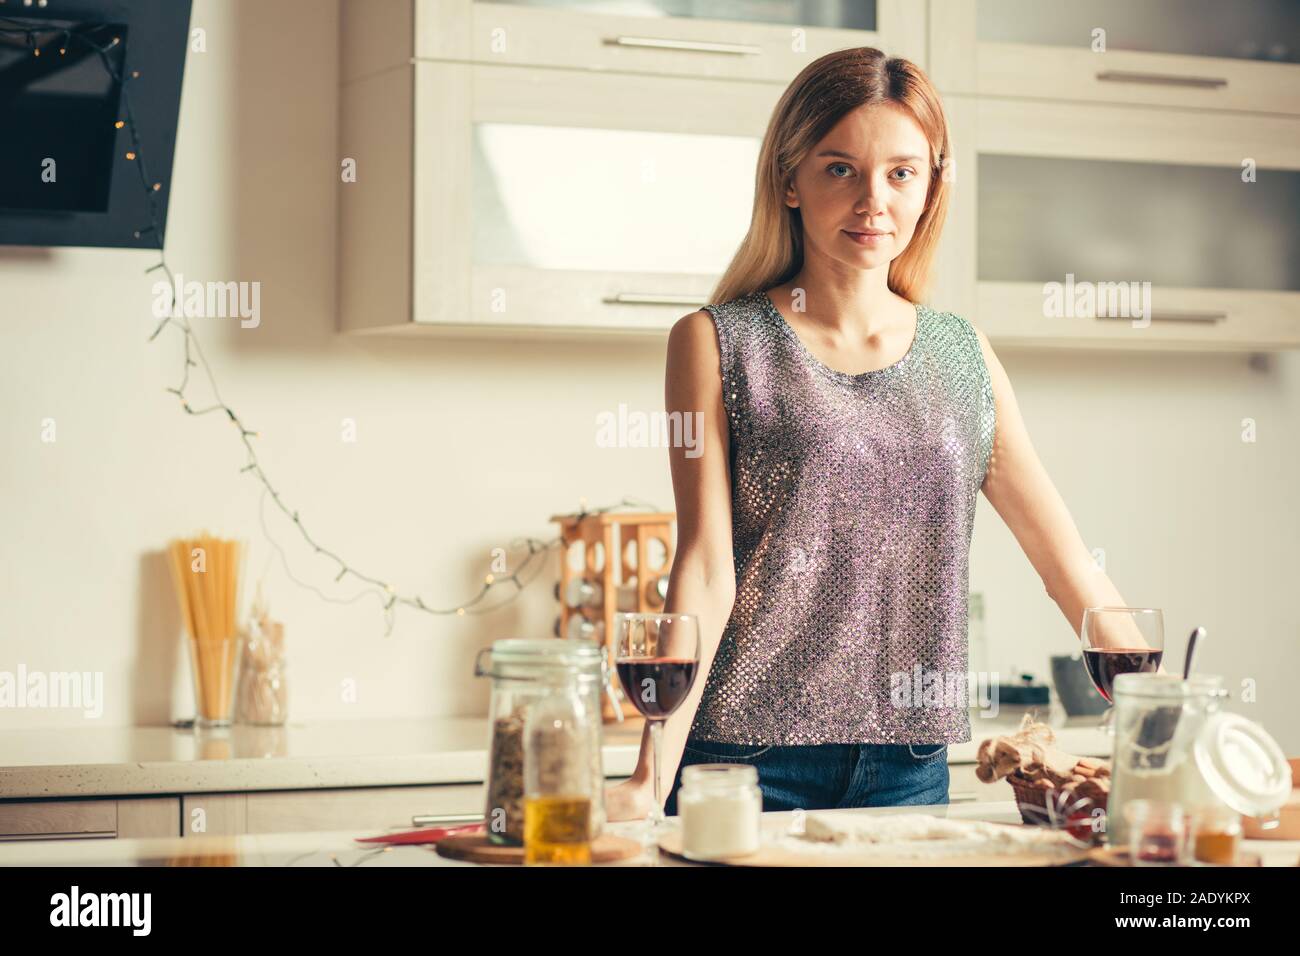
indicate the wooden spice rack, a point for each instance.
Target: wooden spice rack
{"x":644,"y":545}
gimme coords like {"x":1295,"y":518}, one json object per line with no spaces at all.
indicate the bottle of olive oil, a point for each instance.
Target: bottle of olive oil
{"x":557,"y":774}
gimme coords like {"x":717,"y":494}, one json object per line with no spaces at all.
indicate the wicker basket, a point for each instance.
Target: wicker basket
{"x":1039,"y":807}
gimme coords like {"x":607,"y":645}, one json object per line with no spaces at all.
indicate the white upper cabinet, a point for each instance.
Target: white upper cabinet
{"x":543,"y":168}
{"x":736,"y":39}
{"x":1201,"y":54}
{"x":1165,"y":229}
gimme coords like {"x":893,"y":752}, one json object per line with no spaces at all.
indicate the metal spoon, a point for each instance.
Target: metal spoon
{"x":1191,"y":649}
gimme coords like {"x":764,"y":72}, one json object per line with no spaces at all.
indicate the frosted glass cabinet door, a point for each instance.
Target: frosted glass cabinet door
{"x":611,"y":204}
{"x":1239,"y":55}
{"x":1174,"y":242}
{"x":609,"y":200}
{"x":741,"y":39}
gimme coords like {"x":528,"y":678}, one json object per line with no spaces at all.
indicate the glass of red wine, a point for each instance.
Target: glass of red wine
{"x":1120,"y":640}
{"x":657,"y":656}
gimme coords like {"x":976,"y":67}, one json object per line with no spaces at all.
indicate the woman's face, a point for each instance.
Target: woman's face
{"x":869,"y":174}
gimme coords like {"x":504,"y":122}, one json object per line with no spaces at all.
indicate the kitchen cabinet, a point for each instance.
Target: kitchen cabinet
{"x":89,"y":818}
{"x":756,"y":40}
{"x":367,"y":808}
{"x":520,"y":200}
{"x":1189,"y":54}
{"x":519,"y":172}
{"x":1200,"y":206}
{"x":220,"y":814}
{"x":292,"y":811}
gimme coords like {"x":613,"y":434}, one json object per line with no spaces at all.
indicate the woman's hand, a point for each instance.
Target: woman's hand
{"x":629,"y":800}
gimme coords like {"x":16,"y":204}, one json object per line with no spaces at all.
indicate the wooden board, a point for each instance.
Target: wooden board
{"x":769,"y":855}
{"x":1111,"y":856}
{"x":475,"y":848}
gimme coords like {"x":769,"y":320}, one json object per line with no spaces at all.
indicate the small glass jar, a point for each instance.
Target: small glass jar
{"x":1216,"y":834}
{"x":720,"y":806}
{"x":558,"y":788}
{"x":1157,"y":832}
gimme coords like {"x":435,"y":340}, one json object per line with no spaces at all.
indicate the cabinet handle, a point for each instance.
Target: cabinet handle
{"x":653,"y":298}
{"x":1172,"y":316}
{"x":964,"y":797}
{"x":438,"y":819}
{"x":1161,"y":79}
{"x":83,"y":835}
{"x":696,"y":46}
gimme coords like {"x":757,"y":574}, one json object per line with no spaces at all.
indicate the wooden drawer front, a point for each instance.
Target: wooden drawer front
{"x":213,"y":814}
{"x":56,"y":819}
{"x":965,"y":787}
{"x":369,"y":808}
{"x":1148,"y":79}
{"x":139,"y":817}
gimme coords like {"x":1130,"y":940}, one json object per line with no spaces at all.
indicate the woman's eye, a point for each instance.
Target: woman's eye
{"x":834,"y":166}
{"x":911,"y":173}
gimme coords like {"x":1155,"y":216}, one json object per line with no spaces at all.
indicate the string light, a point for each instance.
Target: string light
{"x":192,"y":347}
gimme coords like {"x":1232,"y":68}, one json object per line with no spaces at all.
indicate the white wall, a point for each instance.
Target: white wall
{"x":466,"y":446}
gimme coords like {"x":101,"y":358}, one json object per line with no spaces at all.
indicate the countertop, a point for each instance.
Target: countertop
{"x":337,"y":848}
{"x":130,"y":761}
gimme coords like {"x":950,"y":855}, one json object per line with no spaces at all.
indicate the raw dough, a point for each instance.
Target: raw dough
{"x":904,"y":831}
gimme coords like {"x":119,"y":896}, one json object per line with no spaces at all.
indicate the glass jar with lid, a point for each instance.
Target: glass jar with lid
{"x":721,"y":808}
{"x":523,"y":672}
{"x":559,"y":791}
{"x":1175,"y":744}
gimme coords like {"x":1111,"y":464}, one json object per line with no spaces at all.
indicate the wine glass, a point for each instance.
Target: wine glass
{"x":1120,"y":640}
{"x":657,"y":657}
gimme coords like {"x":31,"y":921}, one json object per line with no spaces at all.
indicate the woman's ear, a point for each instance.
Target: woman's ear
{"x":791,"y":197}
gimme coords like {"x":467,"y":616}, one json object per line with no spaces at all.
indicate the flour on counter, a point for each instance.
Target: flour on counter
{"x":919,"y":835}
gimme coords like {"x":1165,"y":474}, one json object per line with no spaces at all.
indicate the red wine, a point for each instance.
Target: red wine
{"x":657,"y":685}
{"x":1107,"y":663}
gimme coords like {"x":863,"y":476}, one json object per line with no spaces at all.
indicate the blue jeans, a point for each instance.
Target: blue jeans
{"x":826,"y":776}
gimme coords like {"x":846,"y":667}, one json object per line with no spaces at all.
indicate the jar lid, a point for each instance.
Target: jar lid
{"x":1243,"y":764}
{"x":521,"y":656}
{"x":719,"y":774}
{"x":1168,"y":685}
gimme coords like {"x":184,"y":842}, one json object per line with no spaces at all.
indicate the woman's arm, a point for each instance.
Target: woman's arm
{"x":1020,"y":491}
{"x":703,"y":576}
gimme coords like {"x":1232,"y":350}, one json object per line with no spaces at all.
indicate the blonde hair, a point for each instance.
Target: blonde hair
{"x":818,"y":98}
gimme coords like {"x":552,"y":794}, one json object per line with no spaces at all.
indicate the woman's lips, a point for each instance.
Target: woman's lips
{"x":866,"y":239}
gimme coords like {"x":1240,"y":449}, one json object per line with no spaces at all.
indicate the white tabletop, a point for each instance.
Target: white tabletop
{"x":338,"y":848}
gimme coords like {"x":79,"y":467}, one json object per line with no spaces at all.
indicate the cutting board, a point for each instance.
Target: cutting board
{"x":476,"y":848}
{"x":1288,"y":827}
{"x":773,"y":855}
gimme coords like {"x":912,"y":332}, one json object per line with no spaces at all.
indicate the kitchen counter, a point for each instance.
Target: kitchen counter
{"x":339,"y":847}
{"x":126,"y":761}
{"x":123,"y":761}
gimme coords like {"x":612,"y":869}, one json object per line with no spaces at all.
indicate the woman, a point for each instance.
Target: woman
{"x":824,"y":533}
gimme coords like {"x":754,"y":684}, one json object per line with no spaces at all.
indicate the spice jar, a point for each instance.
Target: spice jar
{"x":720,"y":806}
{"x":1216,"y":831}
{"x":263,"y":694}
{"x":522,"y":672}
{"x":1157,"y":832}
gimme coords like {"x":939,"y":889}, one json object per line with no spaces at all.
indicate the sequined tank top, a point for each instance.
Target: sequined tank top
{"x":853,"y":503}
